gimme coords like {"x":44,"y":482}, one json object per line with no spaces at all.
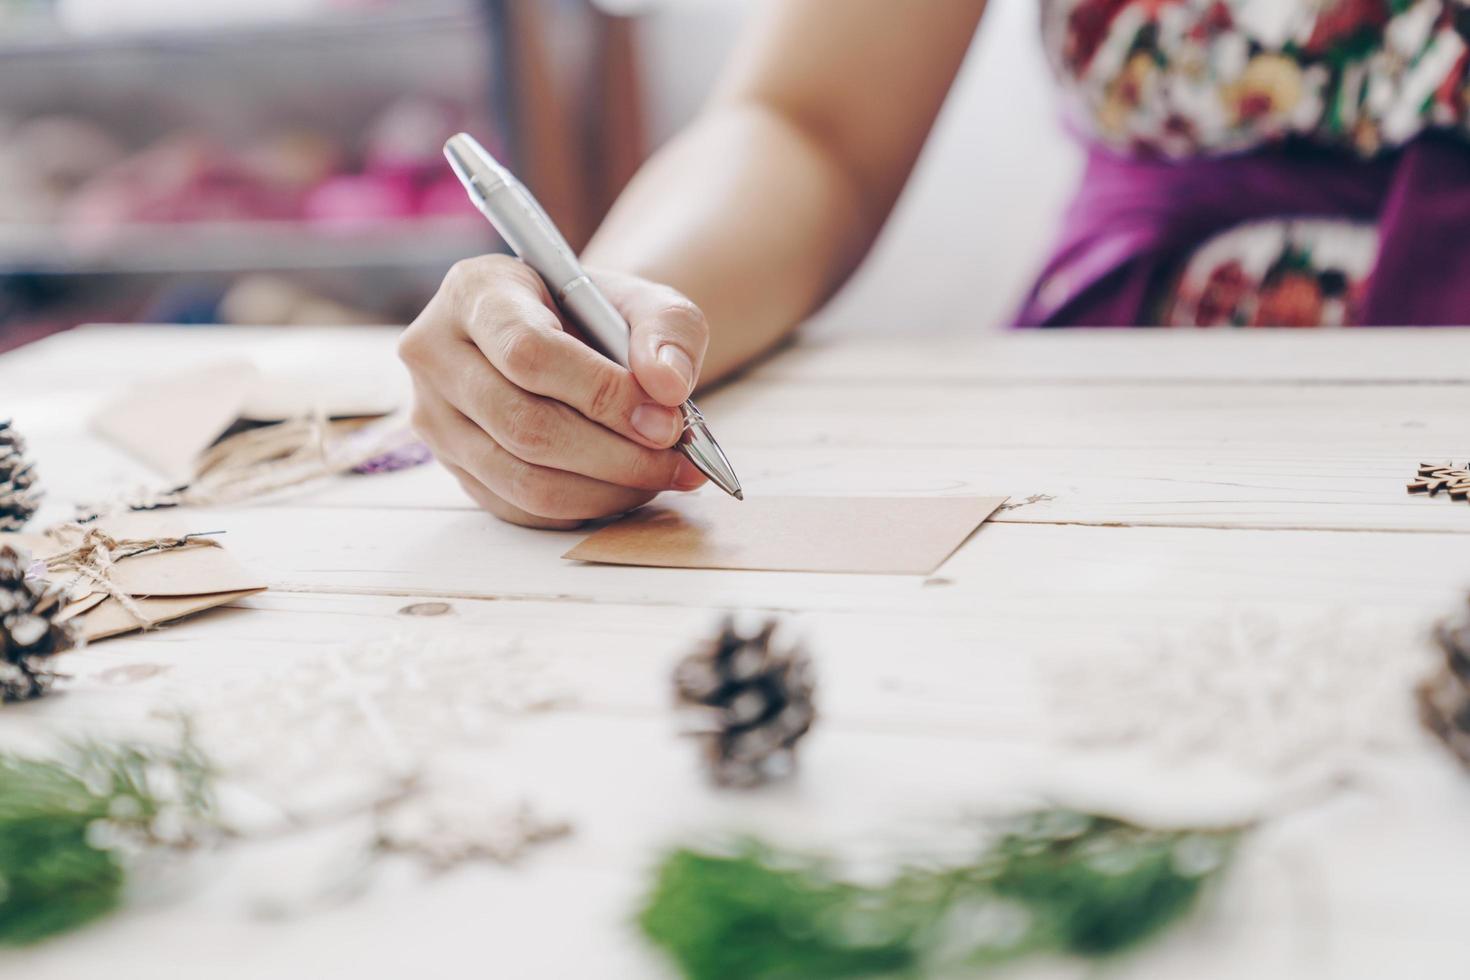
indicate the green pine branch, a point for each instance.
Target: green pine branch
{"x":64,"y":820}
{"x":1057,"y":881}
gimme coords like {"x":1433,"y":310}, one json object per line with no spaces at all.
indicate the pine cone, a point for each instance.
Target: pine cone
{"x":18,"y":496}
{"x":753,"y":698}
{"x":1444,"y":699}
{"x":29,"y":632}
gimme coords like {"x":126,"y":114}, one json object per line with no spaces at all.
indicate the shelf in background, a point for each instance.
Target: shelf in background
{"x":407,"y":21}
{"x":241,"y":246}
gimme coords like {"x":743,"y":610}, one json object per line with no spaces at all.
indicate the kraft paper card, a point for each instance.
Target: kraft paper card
{"x":164,"y":585}
{"x":872,"y":535}
{"x":110,"y":619}
{"x":169,"y":422}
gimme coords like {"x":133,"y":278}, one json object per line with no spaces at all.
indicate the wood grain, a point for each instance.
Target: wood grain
{"x":1161,"y":484}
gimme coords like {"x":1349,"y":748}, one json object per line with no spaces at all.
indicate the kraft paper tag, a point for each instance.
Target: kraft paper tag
{"x":164,"y":585}
{"x":169,"y":422}
{"x":872,"y":535}
{"x":329,"y":393}
{"x":109,"y":618}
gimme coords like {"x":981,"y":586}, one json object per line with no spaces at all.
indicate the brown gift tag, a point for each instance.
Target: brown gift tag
{"x":874,"y":535}
{"x":169,"y":422}
{"x":165,"y":585}
{"x":110,"y":619}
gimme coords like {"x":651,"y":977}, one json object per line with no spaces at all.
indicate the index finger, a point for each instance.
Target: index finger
{"x":524,"y":339}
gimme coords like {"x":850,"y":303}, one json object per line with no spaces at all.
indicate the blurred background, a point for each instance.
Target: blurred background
{"x":277,"y":161}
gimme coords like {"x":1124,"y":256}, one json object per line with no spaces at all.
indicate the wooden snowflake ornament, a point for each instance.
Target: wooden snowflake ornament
{"x":1434,"y":479}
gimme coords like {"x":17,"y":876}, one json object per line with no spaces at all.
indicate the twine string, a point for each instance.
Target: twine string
{"x":272,"y":458}
{"x":94,"y":558}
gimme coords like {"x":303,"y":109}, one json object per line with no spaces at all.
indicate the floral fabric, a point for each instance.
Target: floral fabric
{"x":1276,"y":274}
{"x":1181,"y":79}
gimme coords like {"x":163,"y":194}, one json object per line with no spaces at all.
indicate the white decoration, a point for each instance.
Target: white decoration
{"x":359,"y":731}
{"x":1247,"y":691}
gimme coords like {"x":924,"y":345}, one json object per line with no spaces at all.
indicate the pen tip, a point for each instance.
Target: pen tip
{"x":739,"y":494}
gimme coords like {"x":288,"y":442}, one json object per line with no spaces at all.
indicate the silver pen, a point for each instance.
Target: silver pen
{"x":531,"y":234}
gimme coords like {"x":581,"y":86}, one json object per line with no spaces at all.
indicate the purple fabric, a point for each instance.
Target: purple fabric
{"x":1136,"y":220}
{"x":405,"y":457}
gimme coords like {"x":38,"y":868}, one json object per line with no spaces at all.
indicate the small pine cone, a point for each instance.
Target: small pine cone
{"x":18,"y":495}
{"x":1444,"y":699}
{"x":752,"y":696}
{"x":29,"y":632}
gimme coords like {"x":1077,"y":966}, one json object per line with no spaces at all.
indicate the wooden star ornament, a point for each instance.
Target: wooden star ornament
{"x":1434,"y":479}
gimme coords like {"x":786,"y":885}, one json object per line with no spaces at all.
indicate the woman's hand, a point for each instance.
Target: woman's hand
{"x":539,"y":428}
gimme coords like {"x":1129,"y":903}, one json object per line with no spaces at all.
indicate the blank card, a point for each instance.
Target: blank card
{"x":873,"y":535}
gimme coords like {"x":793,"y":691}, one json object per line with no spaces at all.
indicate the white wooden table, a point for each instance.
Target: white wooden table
{"x":1177,"y":482}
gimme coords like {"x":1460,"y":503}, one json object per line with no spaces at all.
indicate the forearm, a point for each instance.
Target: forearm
{"x":748,"y":216}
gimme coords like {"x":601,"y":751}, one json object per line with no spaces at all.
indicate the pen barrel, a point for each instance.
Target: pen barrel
{"x":597,"y":318}
{"x":530,"y":233}
{"x":532,"y":236}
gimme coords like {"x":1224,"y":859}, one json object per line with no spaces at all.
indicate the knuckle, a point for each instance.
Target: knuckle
{"x":480,"y":287}
{"x":463,"y":276}
{"x":607,"y":397}
{"x":471,"y":281}
{"x":522,"y":352}
{"x":652,"y":470}
{"x":682,"y":315}
{"x":411,"y":344}
{"x":460,"y":271}
{"x":476,"y":269}
{"x":534,"y":491}
{"x":529,"y":429}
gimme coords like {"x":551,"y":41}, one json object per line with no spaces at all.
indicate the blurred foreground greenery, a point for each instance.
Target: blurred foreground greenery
{"x":67,"y":825}
{"x":1056,"y":881}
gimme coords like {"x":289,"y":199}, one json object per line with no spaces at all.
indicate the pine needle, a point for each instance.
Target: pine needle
{"x":1057,"y":881}
{"x":65,"y":821}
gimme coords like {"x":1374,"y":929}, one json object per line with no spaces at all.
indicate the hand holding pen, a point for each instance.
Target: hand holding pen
{"x":538,"y":427}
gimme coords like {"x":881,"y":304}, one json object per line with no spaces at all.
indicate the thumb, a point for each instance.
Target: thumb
{"x":667,"y":340}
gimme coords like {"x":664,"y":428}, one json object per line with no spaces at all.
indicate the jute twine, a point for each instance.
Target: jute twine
{"x":262,"y":461}
{"x":92,"y":560}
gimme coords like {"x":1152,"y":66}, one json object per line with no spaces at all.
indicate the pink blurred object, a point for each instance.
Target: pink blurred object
{"x":356,"y":201}
{"x":297,"y":158}
{"x":445,"y":197}
{"x":180,"y":179}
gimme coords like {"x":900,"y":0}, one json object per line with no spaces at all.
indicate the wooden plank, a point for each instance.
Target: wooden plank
{"x":1304,"y":457}
{"x":1236,"y":486}
{"x":1388,"y":356}
{"x":92,"y":354}
{"x":1423,"y":422}
{"x":901,"y":672}
{"x":464,"y":553}
{"x":1243,"y":486}
{"x":1163,"y":418}
{"x":632,"y":790}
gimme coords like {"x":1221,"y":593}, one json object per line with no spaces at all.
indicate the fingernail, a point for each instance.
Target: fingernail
{"x":680,"y":362}
{"x":687,"y":476}
{"x":656,"y":423}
